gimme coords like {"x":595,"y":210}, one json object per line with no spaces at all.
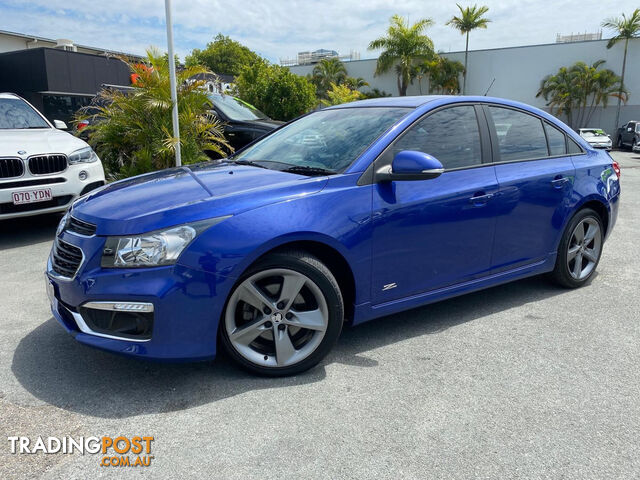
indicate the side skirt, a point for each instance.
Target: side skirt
{"x":365,"y":312}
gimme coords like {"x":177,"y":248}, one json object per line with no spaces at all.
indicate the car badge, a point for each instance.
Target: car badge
{"x":21,"y":152}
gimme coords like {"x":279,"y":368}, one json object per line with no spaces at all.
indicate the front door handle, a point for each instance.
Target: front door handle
{"x":481,"y":198}
{"x":559,"y":182}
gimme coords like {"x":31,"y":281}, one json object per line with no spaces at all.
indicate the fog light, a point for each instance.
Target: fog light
{"x":83,"y":175}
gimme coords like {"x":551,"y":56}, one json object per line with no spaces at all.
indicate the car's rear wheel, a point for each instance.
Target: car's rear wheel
{"x":579,"y":250}
{"x":284,"y":315}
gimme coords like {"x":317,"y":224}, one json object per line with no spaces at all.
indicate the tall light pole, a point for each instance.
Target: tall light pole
{"x":172,"y":81}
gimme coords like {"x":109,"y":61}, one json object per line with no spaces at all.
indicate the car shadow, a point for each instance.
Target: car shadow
{"x":20,"y":232}
{"x":61,"y":372}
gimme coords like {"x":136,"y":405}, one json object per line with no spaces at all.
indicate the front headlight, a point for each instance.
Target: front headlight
{"x":153,"y":249}
{"x":84,"y":155}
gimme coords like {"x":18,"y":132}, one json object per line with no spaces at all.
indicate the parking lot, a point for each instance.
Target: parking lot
{"x":524,"y":380}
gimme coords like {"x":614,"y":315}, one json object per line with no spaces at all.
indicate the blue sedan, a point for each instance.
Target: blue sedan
{"x":343,"y":215}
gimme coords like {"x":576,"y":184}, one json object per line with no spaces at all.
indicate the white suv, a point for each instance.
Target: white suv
{"x":42,"y":168}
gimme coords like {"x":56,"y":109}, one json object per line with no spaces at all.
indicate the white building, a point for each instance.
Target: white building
{"x":516,"y":73}
{"x":11,"y":41}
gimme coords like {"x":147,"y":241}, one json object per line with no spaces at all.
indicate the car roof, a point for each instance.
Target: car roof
{"x":420,"y":100}
{"x":8,"y":95}
{"x":407,"y":102}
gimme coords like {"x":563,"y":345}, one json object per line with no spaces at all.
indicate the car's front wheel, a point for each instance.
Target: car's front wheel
{"x":284,"y":315}
{"x":579,"y":250}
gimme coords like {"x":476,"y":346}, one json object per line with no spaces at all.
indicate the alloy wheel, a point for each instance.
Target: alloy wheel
{"x":276,"y":318}
{"x":584,"y":248}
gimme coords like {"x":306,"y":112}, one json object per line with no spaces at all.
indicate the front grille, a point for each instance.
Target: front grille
{"x":11,"y":167}
{"x":29,"y":207}
{"x":65,"y":258}
{"x":83,"y":228}
{"x":31,"y":183}
{"x":45,"y":164}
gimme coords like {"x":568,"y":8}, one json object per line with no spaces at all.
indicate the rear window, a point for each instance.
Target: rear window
{"x":574,"y":148}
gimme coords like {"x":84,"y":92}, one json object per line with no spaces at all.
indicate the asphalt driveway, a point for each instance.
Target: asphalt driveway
{"x":525,"y":380}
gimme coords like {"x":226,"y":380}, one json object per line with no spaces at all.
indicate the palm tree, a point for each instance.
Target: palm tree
{"x":403,"y":46}
{"x":132,"y":132}
{"x":326,"y":72}
{"x":470,"y":18}
{"x":443,"y":75}
{"x":559,"y":92}
{"x":577,"y":91}
{"x":625,"y":29}
{"x":355,"y":83}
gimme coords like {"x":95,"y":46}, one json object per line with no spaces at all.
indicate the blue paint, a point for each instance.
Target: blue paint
{"x":467,"y":229}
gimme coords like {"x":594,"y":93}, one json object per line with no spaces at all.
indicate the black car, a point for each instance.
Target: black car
{"x":243,"y":123}
{"x":628,"y":135}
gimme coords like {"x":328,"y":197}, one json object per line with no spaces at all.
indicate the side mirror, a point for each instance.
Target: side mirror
{"x":410,"y":165}
{"x":629,"y":129}
{"x":60,"y":125}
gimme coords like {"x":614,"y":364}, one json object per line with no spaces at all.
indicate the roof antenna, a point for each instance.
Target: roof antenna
{"x":485,"y":93}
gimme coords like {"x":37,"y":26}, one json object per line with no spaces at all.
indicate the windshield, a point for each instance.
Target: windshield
{"x":17,"y":114}
{"x":593,"y":131}
{"x":327,"y":139}
{"x":236,"y":109}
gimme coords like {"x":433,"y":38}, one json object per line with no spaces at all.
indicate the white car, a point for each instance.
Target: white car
{"x":596,"y":137}
{"x":42,"y":168}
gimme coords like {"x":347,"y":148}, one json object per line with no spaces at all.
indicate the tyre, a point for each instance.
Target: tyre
{"x":579,"y":250}
{"x":284,"y":315}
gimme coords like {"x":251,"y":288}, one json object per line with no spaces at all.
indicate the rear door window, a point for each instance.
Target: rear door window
{"x":520,"y":135}
{"x":556,"y":139}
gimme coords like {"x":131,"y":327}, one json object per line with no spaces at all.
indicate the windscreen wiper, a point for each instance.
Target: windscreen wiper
{"x":305,"y":170}
{"x":248,"y":162}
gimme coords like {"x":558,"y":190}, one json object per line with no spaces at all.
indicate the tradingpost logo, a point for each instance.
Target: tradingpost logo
{"x":113,"y":451}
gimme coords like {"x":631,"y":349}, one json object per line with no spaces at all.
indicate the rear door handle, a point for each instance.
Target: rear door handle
{"x":559,"y":182}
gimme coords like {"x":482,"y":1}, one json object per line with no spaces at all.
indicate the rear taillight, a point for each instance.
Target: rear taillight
{"x":82,"y":125}
{"x":616,"y":168}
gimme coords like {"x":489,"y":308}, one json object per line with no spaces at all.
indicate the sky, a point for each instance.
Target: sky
{"x":279,"y":28}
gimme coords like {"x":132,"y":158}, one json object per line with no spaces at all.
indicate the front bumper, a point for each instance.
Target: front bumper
{"x":187,"y":304}
{"x":65,"y":187}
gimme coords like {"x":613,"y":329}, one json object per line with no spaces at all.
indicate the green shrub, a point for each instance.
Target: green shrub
{"x":132,"y":132}
{"x":341,"y":94}
{"x":276,"y":91}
